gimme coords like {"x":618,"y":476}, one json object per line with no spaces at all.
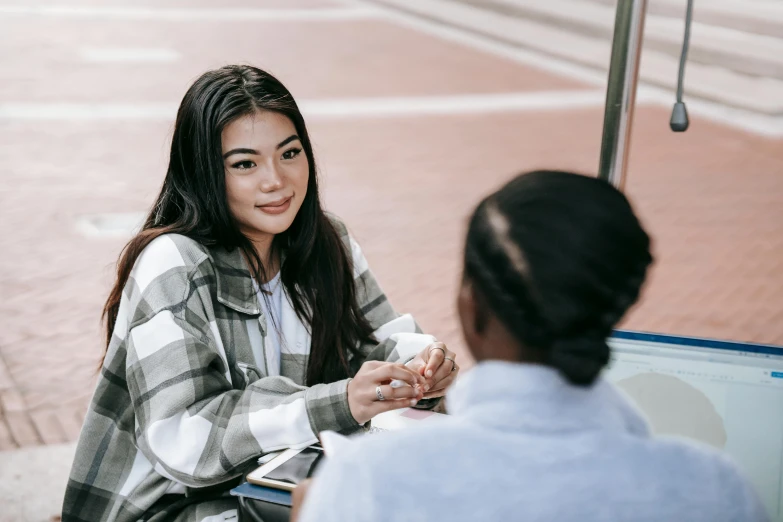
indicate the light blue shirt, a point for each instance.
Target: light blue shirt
{"x":524,"y":445}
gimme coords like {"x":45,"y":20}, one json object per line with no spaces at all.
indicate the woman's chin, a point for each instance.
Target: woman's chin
{"x":273,"y":225}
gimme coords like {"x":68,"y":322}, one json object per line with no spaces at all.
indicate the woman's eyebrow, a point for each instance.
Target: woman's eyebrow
{"x":292,"y":137}
{"x":239,"y":151}
{"x":288,"y":140}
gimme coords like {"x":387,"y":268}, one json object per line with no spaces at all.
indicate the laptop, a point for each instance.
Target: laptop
{"x":724,"y":394}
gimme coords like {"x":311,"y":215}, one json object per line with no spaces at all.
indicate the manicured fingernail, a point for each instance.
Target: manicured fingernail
{"x":414,"y":402}
{"x":426,"y":387}
{"x":429,"y":373}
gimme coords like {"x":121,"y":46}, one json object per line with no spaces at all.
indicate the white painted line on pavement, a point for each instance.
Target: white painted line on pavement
{"x":488,"y":45}
{"x":457,"y":104}
{"x":329,"y":108}
{"x":190,"y":14}
{"x":128,"y":55}
{"x":116,"y":224}
{"x":85,"y":111}
{"x":761,"y":124}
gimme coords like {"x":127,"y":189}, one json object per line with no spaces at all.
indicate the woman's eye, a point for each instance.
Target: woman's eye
{"x":244,"y":165}
{"x":291,"y":153}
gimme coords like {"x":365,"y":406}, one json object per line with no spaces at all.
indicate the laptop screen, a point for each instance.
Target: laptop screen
{"x":727,"y":395}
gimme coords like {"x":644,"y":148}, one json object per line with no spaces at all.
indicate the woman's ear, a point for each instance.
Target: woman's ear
{"x":472,"y":315}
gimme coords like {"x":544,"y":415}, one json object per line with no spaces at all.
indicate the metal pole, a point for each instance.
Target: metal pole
{"x":621,"y":90}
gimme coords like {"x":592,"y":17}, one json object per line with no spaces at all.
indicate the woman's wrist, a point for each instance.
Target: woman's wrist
{"x":329,"y":409}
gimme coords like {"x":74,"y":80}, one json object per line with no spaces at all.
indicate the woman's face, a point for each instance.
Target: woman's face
{"x":266,"y":173}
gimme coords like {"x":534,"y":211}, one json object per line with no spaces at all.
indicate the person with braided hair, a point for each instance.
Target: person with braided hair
{"x":553,"y":261}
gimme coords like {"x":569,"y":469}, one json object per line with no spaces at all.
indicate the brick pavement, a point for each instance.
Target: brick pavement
{"x":334,"y":59}
{"x":710,"y":196}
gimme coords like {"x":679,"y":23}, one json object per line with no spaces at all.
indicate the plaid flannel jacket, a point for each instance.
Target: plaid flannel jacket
{"x":181,"y":407}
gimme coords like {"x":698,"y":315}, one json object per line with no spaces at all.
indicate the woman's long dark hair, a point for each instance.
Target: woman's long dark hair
{"x":317,"y":273}
{"x":558,"y":258}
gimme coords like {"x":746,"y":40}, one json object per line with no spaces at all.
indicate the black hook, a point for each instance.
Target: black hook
{"x":679,"y":121}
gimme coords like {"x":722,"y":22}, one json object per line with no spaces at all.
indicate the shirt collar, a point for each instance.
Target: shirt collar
{"x":534,"y":397}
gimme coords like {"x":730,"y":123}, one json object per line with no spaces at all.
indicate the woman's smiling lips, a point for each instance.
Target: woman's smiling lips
{"x":277,"y":207}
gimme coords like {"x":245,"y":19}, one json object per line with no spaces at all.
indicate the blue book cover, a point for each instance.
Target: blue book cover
{"x":275,"y":496}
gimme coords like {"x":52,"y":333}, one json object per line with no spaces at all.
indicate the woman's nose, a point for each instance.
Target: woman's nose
{"x":271,"y":179}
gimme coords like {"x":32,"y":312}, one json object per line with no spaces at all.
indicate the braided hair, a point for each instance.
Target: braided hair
{"x":558,"y":258}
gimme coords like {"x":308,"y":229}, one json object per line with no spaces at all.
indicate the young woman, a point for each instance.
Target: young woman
{"x":243,"y":319}
{"x":552,"y":262}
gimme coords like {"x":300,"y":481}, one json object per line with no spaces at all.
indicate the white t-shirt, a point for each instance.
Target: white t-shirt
{"x":272,"y":307}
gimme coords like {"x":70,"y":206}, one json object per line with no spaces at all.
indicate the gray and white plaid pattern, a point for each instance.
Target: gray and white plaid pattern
{"x":181,"y":408}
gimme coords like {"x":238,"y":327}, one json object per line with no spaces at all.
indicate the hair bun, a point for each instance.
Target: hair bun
{"x":579,"y":359}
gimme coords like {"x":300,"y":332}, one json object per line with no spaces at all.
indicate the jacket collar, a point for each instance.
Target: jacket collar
{"x":234,"y":282}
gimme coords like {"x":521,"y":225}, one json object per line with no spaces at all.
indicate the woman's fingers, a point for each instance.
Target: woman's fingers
{"x":446,"y":369}
{"x":444,"y":378}
{"x":435,"y":353}
{"x":442,"y":387}
{"x":406,"y":392}
{"x":445,"y":383}
{"x":389,"y":372}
